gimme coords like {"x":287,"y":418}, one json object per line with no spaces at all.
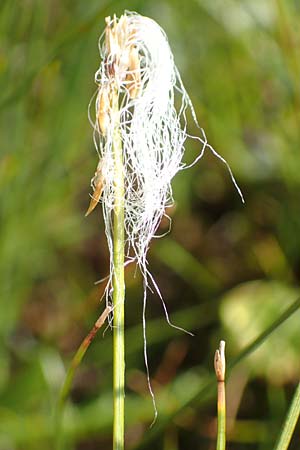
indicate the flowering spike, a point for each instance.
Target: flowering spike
{"x":138,"y":66}
{"x":139,"y":136}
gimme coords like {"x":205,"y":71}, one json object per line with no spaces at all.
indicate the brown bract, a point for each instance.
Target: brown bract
{"x":104,"y":108}
{"x":121,"y":70}
{"x":122,"y":57}
{"x":97,"y":184}
{"x":134,"y":75}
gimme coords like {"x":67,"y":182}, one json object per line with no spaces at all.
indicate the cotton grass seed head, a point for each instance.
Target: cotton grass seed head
{"x":137,"y":64}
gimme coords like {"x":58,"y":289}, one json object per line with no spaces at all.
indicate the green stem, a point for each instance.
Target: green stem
{"x":290,"y":422}
{"x":118,"y":284}
{"x":221,"y":441}
{"x":220,"y":369}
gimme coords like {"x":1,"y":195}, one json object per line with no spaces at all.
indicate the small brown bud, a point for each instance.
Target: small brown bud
{"x":220,"y":364}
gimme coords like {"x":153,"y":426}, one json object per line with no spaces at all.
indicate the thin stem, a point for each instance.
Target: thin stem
{"x":220,"y":374}
{"x":221,"y":441}
{"x":71,"y":372}
{"x":290,"y":422}
{"x":118,"y":283}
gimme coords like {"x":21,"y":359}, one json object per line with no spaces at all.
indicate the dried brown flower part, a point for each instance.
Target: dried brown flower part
{"x":97,"y":185}
{"x":134,"y":74}
{"x":122,"y":57}
{"x":104,"y":109}
{"x":220,"y":364}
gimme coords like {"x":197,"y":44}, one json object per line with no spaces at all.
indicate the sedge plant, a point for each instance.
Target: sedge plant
{"x":140,"y":137}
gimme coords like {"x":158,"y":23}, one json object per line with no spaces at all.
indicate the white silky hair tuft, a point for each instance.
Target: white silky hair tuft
{"x":152,"y":130}
{"x":136,"y":57}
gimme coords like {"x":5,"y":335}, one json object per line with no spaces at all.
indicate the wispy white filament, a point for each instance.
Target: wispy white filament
{"x":152,"y":130}
{"x":153,"y":133}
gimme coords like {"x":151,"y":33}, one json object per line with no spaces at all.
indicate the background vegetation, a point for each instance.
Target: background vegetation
{"x":226,"y":270}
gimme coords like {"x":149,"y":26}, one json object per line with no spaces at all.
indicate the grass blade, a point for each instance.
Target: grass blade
{"x":67,"y":385}
{"x":290,"y":422}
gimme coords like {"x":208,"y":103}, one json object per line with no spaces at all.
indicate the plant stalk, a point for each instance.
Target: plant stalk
{"x":118,"y":283}
{"x":221,"y":441}
{"x":290,"y":422}
{"x":220,"y":364}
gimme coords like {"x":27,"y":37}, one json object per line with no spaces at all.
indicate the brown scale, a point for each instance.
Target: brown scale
{"x":116,"y":36}
{"x":134,"y":75}
{"x":97,"y":185}
{"x":103,"y":116}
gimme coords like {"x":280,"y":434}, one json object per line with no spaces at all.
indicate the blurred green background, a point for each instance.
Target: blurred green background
{"x":226,"y":270}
